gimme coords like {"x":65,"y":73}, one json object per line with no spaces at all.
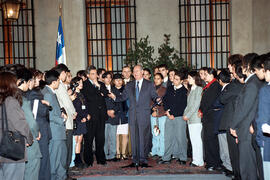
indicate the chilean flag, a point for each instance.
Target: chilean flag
{"x":60,"y":45}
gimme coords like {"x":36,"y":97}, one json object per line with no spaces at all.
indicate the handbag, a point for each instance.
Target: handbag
{"x":12,"y":144}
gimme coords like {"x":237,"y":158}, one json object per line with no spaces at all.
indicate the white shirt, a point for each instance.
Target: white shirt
{"x":140,"y":84}
{"x":177,"y":87}
{"x":193,"y":87}
{"x":165,"y":79}
{"x":126,"y":80}
{"x":249,"y":77}
{"x":224,"y":86}
{"x":51,"y":89}
{"x":108,"y":87}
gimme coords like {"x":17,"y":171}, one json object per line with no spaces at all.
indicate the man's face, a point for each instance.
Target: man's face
{"x":177,"y":81}
{"x":56,"y":84}
{"x":138,"y":73}
{"x":163,"y":71}
{"x":267,"y":76}
{"x":93,"y":75}
{"x":171,"y":75}
{"x":126,"y":72}
{"x":63,"y":76}
{"x":260,"y":73}
{"x":146,"y":75}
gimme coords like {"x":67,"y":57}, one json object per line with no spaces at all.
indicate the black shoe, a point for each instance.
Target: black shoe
{"x":181,"y":162}
{"x":102,"y":163}
{"x":219,"y":168}
{"x":164,"y":162}
{"x":144,"y":165}
{"x":229,"y":173}
{"x":193,"y":165}
{"x":132,"y":165}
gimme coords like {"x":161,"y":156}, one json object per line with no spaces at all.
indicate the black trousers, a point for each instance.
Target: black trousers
{"x":95,"y":129}
{"x":45,"y":167}
{"x":69,"y":133}
{"x":211,"y":146}
{"x":259,"y":161}
{"x":234,"y":155}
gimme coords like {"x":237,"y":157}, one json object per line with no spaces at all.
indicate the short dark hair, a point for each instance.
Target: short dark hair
{"x":203,"y":69}
{"x":148,"y":70}
{"x":195,"y":75}
{"x":248,"y":58}
{"x":90,"y":68}
{"x":180,"y":74}
{"x":60,"y":68}
{"x":160,"y":75}
{"x":81,"y":73}
{"x":266,"y":63}
{"x":211,"y":71}
{"x":106,"y":74}
{"x":224,"y":76}
{"x":99,"y":71}
{"x":163,"y":66}
{"x":50,"y":76}
{"x":239,"y":72}
{"x":233,"y":59}
{"x":24,"y":74}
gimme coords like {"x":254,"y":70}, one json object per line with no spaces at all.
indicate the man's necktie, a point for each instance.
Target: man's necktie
{"x":137,"y":91}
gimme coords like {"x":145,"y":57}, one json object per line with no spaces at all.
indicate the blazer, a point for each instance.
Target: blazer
{"x":262,"y":118}
{"x":246,"y":106}
{"x":193,"y":104}
{"x":16,"y":122}
{"x":33,"y":151}
{"x":209,"y":96}
{"x":57,"y":123}
{"x":227,"y":98}
{"x":140,"y":110}
{"x":95,"y":97}
{"x":42,"y":117}
{"x":66,"y":103}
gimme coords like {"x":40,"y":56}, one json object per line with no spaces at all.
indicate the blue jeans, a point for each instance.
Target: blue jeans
{"x":158,"y":141}
{"x":110,"y":141}
{"x":266,"y":167}
{"x":12,"y":170}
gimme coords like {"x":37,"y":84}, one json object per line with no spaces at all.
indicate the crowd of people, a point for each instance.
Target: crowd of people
{"x":220,"y":119}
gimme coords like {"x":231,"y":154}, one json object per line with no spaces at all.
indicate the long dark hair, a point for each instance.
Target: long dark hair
{"x":8,"y":87}
{"x":195,"y":75}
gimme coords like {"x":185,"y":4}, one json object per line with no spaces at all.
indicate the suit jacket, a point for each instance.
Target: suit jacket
{"x":262,"y":118}
{"x":66,"y":103}
{"x":141,"y":109}
{"x":16,"y":122}
{"x":57,"y":123}
{"x":246,"y":106}
{"x":227,"y":98}
{"x":33,"y":151}
{"x":193,"y":104}
{"x":95,"y":97}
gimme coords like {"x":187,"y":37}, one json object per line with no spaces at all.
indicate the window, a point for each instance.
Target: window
{"x":205,"y":32}
{"x":111,"y":31}
{"x":17,"y":39}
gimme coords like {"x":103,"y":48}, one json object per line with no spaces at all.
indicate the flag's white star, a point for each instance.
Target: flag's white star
{"x":59,"y":38}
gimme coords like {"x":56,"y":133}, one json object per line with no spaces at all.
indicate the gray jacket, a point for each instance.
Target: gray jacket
{"x":193,"y":104}
{"x":16,"y":122}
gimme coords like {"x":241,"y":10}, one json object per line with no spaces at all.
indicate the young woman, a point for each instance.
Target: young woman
{"x":82,"y":116}
{"x":122,"y":128}
{"x":11,"y":97}
{"x":193,"y":121}
{"x":210,"y":140}
{"x":158,"y":119}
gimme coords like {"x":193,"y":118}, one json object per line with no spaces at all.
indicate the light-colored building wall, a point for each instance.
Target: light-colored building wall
{"x":250,"y":30}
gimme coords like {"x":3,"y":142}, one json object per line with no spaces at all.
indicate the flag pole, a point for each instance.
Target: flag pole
{"x":60,"y":9}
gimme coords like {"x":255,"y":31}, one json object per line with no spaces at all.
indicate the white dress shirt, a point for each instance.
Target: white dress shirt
{"x":140,"y":84}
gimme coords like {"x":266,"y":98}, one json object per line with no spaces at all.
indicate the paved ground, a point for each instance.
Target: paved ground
{"x":161,"y":177}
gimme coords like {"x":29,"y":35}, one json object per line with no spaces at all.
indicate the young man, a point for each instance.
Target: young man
{"x":95,"y":92}
{"x":66,"y":103}
{"x":147,"y":74}
{"x":163,"y":69}
{"x":175,"y":102}
{"x":263,"y":118}
{"x":127,"y":74}
{"x":57,"y":146}
{"x":244,"y":118}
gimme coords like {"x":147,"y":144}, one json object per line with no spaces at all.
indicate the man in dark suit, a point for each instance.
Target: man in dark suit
{"x":95,"y":92}
{"x":244,"y":116}
{"x":140,"y":92}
